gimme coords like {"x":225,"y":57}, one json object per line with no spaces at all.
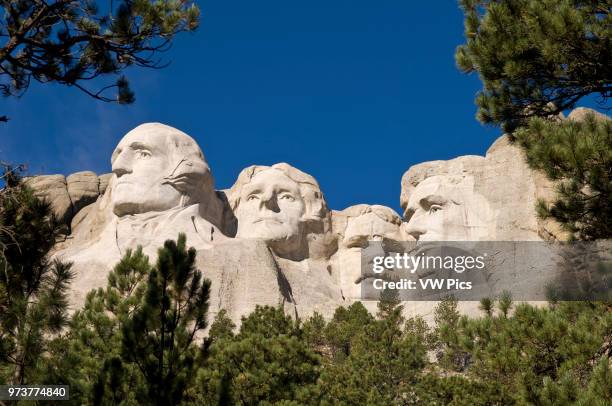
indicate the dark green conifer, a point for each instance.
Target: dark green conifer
{"x":537,"y":59}
{"x":159,"y":335}
{"x":33,"y":288}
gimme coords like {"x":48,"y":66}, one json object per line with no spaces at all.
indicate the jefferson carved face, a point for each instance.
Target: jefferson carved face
{"x":271,"y":208}
{"x":151,"y":164}
{"x":443,"y":208}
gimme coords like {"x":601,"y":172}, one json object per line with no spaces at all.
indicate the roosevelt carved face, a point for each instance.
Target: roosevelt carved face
{"x":445,"y":209}
{"x":141,"y":162}
{"x":371,"y":226}
{"x":271,"y":208}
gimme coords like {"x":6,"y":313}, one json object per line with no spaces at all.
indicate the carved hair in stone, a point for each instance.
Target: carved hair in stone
{"x":279,"y":204}
{"x":156,"y":168}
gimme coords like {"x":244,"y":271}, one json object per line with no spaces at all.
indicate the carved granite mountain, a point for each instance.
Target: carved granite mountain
{"x":271,"y":237}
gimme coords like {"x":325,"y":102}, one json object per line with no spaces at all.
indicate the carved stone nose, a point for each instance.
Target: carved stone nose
{"x":120,"y":167}
{"x":415,"y":228}
{"x":120,"y":171}
{"x":269,"y":202}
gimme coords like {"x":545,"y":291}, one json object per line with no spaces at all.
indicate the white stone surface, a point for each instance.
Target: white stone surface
{"x":280,"y":205}
{"x":271,"y":237}
{"x":477,"y":198}
{"x":161,"y":186}
{"x":355,"y":226}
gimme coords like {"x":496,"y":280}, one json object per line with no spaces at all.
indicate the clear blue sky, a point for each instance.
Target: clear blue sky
{"x":352,"y":92}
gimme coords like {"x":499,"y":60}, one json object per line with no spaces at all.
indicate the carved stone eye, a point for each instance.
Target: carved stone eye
{"x":434,"y":208}
{"x":143,"y":154}
{"x":252,"y":197}
{"x":288,"y":197}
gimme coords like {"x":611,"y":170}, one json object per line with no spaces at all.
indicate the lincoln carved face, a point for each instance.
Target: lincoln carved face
{"x":446,"y":208}
{"x":156,"y":167}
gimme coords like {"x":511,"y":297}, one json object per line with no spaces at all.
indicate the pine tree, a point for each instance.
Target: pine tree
{"x":576,"y":154}
{"x":110,"y":354}
{"x":159,"y":335}
{"x":542,"y":355}
{"x":599,"y":389}
{"x":222,"y":327}
{"x":505,"y":303}
{"x":313,"y":330}
{"x":448,"y":335}
{"x":267,"y":362}
{"x":88,"y":358}
{"x":345,"y":325}
{"x":383,"y":362}
{"x":33,"y":288}
{"x":70,"y":42}
{"x":537,"y":59}
{"x":486,"y":305}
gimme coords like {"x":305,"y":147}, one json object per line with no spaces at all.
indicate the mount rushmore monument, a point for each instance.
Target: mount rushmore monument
{"x":271,"y":237}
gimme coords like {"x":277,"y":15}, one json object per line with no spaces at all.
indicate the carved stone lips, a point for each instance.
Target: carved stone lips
{"x":268,"y":220}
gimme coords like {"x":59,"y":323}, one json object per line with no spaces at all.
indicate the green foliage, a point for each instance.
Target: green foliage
{"x":448,"y":336}
{"x":541,"y":355}
{"x":88,"y":357}
{"x":267,"y":321}
{"x":536,"y":58}
{"x":505,"y":303}
{"x":486,"y":305}
{"x":33,"y":289}
{"x":73,"y":41}
{"x":267,"y":362}
{"x":578,"y":156}
{"x":381,"y":361}
{"x":222,"y":327}
{"x":456,"y":390}
{"x":159,"y":334}
{"x":344,"y":327}
{"x":140,"y":341}
{"x":313,"y":331}
{"x":135,"y":342}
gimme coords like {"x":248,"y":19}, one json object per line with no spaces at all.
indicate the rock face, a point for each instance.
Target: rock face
{"x":161,"y":186}
{"x":354,"y":227}
{"x":271,"y":238}
{"x":83,"y":189}
{"x":69,"y":197}
{"x":477,"y":198}
{"x":53,"y":188}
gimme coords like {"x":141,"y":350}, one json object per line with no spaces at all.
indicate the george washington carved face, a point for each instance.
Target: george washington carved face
{"x":157,"y":168}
